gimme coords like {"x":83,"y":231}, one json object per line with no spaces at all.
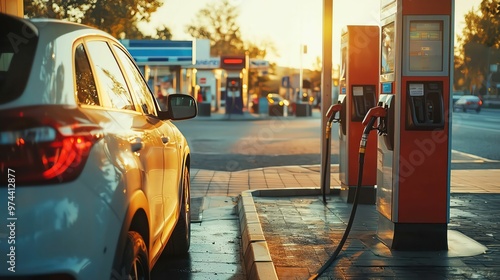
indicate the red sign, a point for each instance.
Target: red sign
{"x":203,"y":81}
{"x":234,"y":62}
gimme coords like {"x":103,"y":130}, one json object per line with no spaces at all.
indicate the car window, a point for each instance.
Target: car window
{"x":18,"y":43}
{"x":138,"y":85}
{"x":85,"y":84}
{"x":111,"y":80}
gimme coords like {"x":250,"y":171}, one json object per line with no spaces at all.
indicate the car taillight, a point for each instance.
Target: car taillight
{"x":47,"y":154}
{"x":480,"y":102}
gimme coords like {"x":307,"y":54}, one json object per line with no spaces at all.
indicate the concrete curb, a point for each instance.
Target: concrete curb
{"x":256,"y":257}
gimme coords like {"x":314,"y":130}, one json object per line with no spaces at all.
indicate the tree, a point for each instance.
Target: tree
{"x":162,"y":33}
{"x":479,"y":46}
{"x":57,"y":9}
{"x":114,"y":17}
{"x":217,"y":22}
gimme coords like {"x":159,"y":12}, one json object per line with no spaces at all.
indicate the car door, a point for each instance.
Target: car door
{"x":140,"y":129}
{"x":171,"y":161}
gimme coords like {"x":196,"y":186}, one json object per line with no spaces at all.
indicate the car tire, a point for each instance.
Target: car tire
{"x":464,"y":109}
{"x":135,"y":262}
{"x":478,"y":110}
{"x":180,"y":241}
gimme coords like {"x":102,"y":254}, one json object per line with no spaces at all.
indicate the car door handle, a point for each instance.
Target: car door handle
{"x":165,"y":139}
{"x":136,"y":144}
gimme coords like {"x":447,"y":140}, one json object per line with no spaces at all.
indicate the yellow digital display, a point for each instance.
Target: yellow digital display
{"x":426,"y":46}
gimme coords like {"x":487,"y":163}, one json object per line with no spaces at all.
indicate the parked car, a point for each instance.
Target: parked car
{"x":455,"y":98}
{"x":278,"y":106}
{"x":95,"y":177}
{"x":468,"y":102}
{"x":273,"y":99}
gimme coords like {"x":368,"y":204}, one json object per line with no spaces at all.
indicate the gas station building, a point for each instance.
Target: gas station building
{"x":188,"y":68}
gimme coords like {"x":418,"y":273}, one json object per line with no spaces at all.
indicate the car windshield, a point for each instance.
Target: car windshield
{"x":18,"y":42}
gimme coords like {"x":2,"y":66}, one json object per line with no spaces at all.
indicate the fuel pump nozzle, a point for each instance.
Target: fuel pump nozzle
{"x":332,"y":111}
{"x":371,"y":116}
{"x":330,"y":114}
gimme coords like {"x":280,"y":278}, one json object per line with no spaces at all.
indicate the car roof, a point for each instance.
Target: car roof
{"x":52,"y":28}
{"x":55,"y":41}
{"x":469,"y":97}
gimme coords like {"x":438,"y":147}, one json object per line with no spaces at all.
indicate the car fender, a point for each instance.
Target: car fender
{"x":136,"y":219}
{"x":186,"y":158}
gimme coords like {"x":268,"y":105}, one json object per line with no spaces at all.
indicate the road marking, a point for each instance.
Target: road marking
{"x":459,"y":125}
{"x":474,"y":157}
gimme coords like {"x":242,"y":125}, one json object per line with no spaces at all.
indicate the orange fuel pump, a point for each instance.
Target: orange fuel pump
{"x":358,"y":93}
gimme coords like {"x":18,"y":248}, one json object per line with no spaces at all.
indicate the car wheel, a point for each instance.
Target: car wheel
{"x":478,"y":110}
{"x":135,"y":262}
{"x":464,"y":109}
{"x":179,"y":242}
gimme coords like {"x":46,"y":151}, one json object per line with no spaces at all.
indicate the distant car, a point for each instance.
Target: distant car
{"x":455,"y":98}
{"x":95,"y":177}
{"x":278,"y":106}
{"x":468,"y":102}
{"x":273,"y":99}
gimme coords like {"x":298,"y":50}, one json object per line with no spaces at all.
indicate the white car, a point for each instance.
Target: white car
{"x":94,"y":177}
{"x":468,"y":102}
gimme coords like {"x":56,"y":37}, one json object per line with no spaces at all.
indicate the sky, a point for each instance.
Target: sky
{"x":288,"y":24}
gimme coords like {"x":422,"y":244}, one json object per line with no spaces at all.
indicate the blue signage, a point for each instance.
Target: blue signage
{"x":386,"y":88}
{"x":160,"y":52}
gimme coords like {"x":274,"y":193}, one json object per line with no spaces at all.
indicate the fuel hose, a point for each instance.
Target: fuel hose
{"x":332,"y":111}
{"x":362,"y":148}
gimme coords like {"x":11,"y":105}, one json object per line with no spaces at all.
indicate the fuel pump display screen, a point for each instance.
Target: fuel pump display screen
{"x":426,"y":46}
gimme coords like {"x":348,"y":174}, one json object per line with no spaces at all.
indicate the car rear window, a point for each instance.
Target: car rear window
{"x":18,"y":41}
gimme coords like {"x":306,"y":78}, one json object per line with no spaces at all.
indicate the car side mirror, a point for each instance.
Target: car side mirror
{"x":179,"y":107}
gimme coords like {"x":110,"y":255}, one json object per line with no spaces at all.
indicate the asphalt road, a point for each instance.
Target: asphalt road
{"x":477,"y":134}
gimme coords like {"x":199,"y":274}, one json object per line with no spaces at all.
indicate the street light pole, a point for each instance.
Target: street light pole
{"x":326,"y":90}
{"x":301,"y":74}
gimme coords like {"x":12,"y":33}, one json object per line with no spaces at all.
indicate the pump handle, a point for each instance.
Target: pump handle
{"x":332,"y":111}
{"x":374,"y":112}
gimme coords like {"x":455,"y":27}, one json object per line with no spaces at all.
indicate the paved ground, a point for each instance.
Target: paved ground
{"x":297,"y":233}
{"x":301,"y":235}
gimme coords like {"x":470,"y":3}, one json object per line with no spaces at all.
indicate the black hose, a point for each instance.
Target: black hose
{"x":331,"y":118}
{"x":325,"y":166}
{"x":362,"y":147}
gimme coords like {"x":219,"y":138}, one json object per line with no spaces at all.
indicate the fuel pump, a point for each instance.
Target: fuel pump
{"x":234,"y":65}
{"x":234,"y":100}
{"x":358,"y":93}
{"x":368,"y":122}
{"x":413,"y":165}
